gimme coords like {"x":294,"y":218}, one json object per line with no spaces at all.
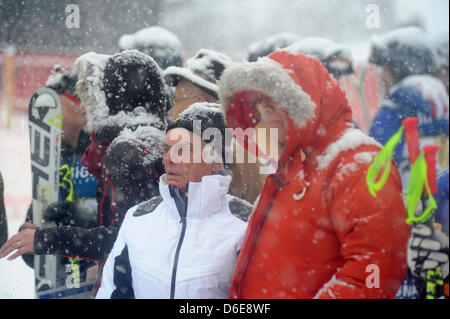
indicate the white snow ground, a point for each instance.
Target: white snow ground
{"x":16,"y":278}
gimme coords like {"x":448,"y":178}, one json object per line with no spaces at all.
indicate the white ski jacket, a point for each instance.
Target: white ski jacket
{"x":160,"y":254}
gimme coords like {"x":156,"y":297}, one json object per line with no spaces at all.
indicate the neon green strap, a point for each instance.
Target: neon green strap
{"x":417,"y":181}
{"x":66,"y":172}
{"x":383,"y":159}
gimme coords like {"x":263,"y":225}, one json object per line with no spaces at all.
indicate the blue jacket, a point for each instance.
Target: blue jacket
{"x":405,"y":102}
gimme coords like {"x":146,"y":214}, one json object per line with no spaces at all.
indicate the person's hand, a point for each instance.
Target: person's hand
{"x":427,"y":250}
{"x":21,"y":243}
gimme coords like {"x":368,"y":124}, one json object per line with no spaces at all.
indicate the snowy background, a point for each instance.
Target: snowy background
{"x":224,"y":25}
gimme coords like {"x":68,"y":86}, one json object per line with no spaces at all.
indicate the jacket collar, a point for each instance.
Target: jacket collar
{"x":205,"y":198}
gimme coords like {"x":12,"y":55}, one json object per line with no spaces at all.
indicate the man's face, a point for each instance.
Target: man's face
{"x":273,"y":116}
{"x":74,"y":116}
{"x":187,"y":93}
{"x":183,"y":151}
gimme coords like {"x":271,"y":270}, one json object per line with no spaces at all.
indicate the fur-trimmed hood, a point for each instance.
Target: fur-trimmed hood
{"x":128,"y":81}
{"x":316,"y":106}
{"x":315,"y":227}
{"x":90,"y":68}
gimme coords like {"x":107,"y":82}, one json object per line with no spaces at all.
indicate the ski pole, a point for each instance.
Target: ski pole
{"x":422,"y":187}
{"x":383,"y":161}
{"x":435,"y":281}
{"x":384,"y":157}
{"x":412,"y":138}
{"x":421,"y":182}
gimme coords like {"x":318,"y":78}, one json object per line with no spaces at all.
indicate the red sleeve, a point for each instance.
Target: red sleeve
{"x":372,"y":232}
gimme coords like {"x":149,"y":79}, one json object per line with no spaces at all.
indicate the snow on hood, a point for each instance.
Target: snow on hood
{"x":90,"y":69}
{"x":150,"y":136}
{"x":131,"y":120}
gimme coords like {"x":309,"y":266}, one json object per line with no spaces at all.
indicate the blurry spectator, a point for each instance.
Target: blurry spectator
{"x":406,"y":58}
{"x":268,"y":45}
{"x":159,"y":43}
{"x":334,"y":56}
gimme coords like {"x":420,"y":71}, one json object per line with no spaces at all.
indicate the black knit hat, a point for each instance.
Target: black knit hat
{"x":199,"y":117}
{"x":133,"y":79}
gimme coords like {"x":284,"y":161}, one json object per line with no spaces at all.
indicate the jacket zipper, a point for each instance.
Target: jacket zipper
{"x":177,"y":252}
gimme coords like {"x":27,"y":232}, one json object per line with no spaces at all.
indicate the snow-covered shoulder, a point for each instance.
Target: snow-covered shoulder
{"x":350,"y":140}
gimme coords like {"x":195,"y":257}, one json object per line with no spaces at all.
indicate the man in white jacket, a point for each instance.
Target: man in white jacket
{"x":184,"y":243}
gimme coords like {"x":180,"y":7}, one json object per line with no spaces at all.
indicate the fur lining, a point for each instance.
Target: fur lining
{"x":269,"y":77}
{"x":89,"y":69}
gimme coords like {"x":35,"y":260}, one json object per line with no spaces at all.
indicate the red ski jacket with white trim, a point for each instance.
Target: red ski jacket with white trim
{"x":316,"y":232}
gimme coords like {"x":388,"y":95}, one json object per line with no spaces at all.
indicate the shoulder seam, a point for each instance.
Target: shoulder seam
{"x":148,"y":207}
{"x":243,"y":213}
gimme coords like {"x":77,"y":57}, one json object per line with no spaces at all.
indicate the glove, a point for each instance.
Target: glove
{"x":427,"y":250}
{"x":65,"y":213}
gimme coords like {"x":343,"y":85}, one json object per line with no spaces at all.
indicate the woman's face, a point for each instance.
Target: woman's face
{"x":273,"y":116}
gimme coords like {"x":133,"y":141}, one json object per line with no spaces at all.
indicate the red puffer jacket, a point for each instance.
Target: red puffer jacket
{"x":316,"y":230}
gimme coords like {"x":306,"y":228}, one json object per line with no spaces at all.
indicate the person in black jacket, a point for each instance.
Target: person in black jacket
{"x":77,"y":188}
{"x":124,"y":96}
{"x":3,"y":220}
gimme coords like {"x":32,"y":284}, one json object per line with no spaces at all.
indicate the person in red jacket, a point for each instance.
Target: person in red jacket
{"x":316,"y":232}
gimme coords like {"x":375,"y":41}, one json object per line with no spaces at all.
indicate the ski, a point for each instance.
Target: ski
{"x":45,"y":124}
